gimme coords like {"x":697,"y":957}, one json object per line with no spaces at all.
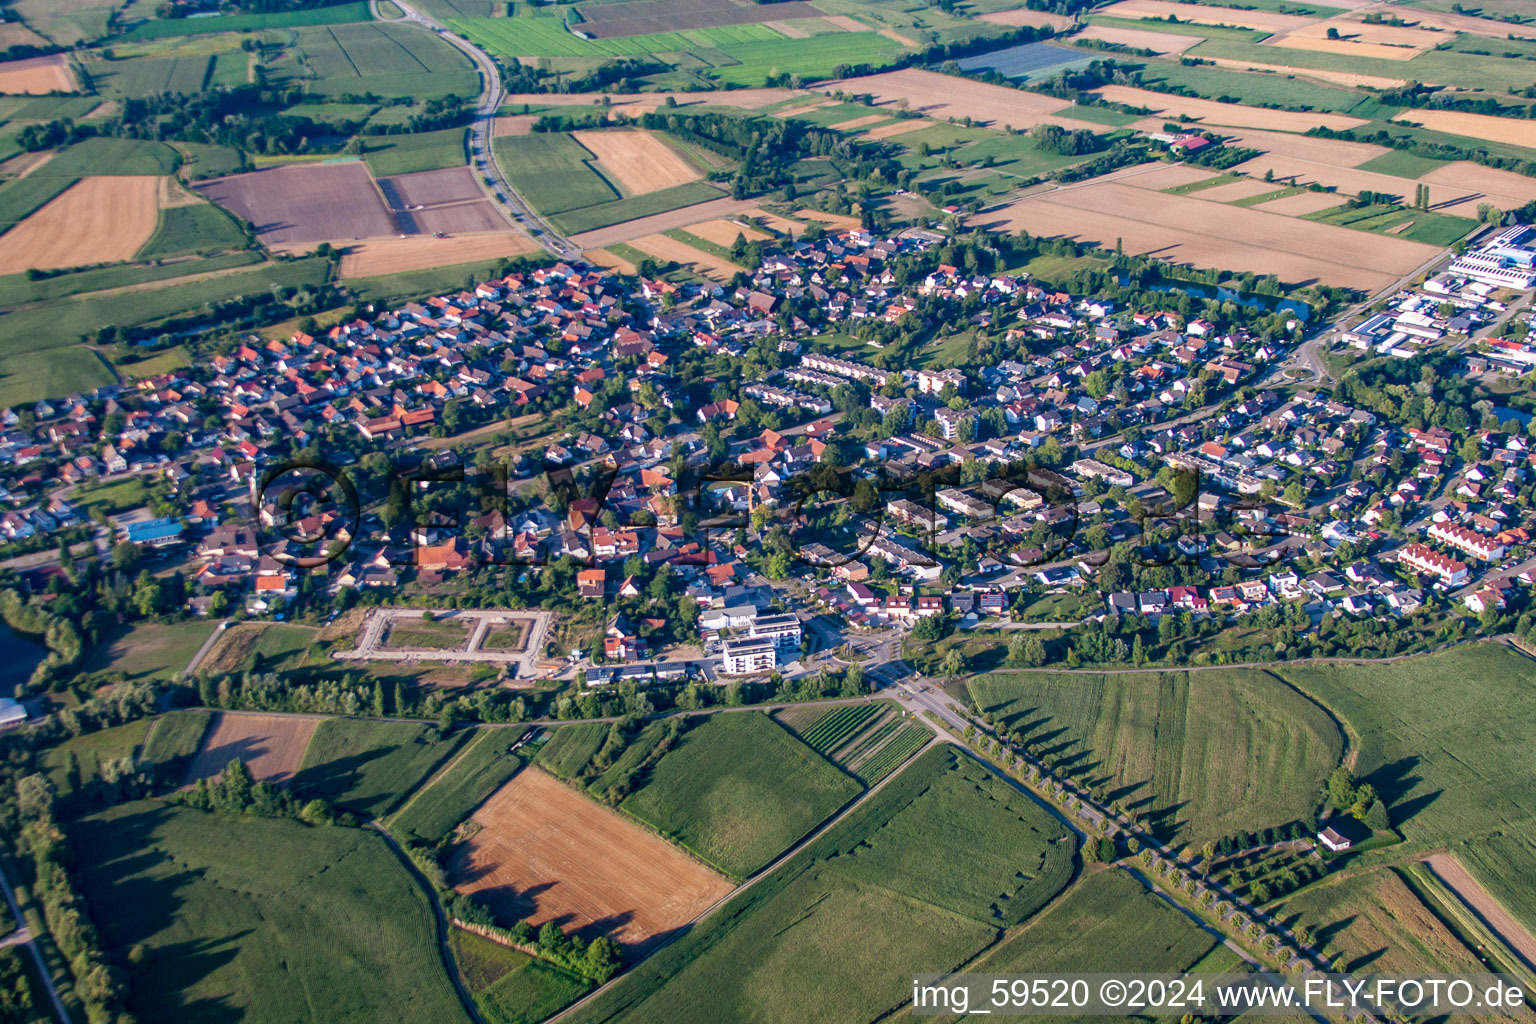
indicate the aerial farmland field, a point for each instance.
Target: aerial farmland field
{"x":812,"y":919}
{"x":272,"y":746}
{"x":334,"y":906}
{"x":545,"y":852}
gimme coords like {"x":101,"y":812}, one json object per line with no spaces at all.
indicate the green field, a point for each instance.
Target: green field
{"x":413,"y":284}
{"x":617,"y":212}
{"x":260,"y":920}
{"x":1106,"y":922}
{"x":464,"y":783}
{"x":1375,"y":920}
{"x":332,"y":15}
{"x":405,"y":154}
{"x":1443,"y":739}
{"x":570,"y":747}
{"x":202,"y":227}
{"x":150,"y":650}
{"x":92,"y":156}
{"x":16,"y":290}
{"x":57,"y":372}
{"x":1259,"y":89}
{"x":93,"y":749}
{"x":833,"y":936}
{"x":553,"y":172}
{"x":65,"y":322}
{"x":175,"y":737}
{"x":547,"y":37}
{"x":370,"y":767}
{"x":622,"y":771}
{"x":1402,"y":164}
{"x":739,"y":790}
{"x":141,"y":77}
{"x":376,"y":57}
{"x":1423,"y":226}
{"x":1448,"y":67}
{"x":206,"y":160}
{"x":1199,"y":755}
{"x":511,"y":987}
{"x":813,"y":58}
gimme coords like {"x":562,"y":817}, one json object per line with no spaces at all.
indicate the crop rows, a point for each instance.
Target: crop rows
{"x":548,"y":37}
{"x":901,"y":746}
{"x":867,"y":741}
{"x":837,"y":726}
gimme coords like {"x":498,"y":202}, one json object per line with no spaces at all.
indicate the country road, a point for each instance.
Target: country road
{"x":482,"y":156}
{"x":24,"y":937}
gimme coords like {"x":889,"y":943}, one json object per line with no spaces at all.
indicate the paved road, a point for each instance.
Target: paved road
{"x":482,"y":156}
{"x":23,"y":936}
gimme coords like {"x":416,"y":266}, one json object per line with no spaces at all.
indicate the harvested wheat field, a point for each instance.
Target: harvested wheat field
{"x":270,"y":745}
{"x":856,"y":123}
{"x":642,"y":226}
{"x":1203,"y":14}
{"x":1444,"y":20}
{"x":1337,"y":152}
{"x":1302,"y":203}
{"x":1351,"y":29}
{"x":724,"y":232}
{"x":1485,"y":180}
{"x":640,"y":161}
{"x":783,"y":225}
{"x":513,"y":124}
{"x":1157,"y":175}
{"x":895,"y":128}
{"x":37,"y":75}
{"x":1477,"y":126}
{"x":609,"y":259}
{"x":95,"y":220}
{"x":1183,"y":229}
{"x":840,"y":221}
{"x":1375,"y":51}
{"x":392,"y":255}
{"x":945,"y":96}
{"x":1234,"y":114}
{"x":1161,"y":43}
{"x":546,"y":853}
{"x":1022,"y":16}
{"x":1232,"y":191}
{"x":666,"y":248}
{"x":1352,"y":180}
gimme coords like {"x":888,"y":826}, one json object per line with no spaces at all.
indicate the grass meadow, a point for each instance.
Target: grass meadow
{"x":738,"y":790}
{"x":1198,"y":754}
{"x":260,"y":920}
{"x":832,"y":936}
{"x":199,"y":228}
{"x":1445,"y":740}
{"x":370,"y":767}
{"x":510,"y":987}
{"x":424,"y":151}
{"x":464,"y":783}
{"x":569,"y":747}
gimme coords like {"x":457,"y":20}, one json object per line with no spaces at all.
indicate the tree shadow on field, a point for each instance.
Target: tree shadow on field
{"x":335,"y":777}
{"x":1394,"y":781}
{"x":1323,"y":935}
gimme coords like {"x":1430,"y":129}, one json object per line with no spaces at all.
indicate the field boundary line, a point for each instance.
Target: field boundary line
{"x":443,"y":769}
{"x":762,"y":873}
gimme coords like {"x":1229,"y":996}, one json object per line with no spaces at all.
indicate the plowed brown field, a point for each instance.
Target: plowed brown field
{"x":392,"y":255}
{"x":547,"y":853}
{"x":270,"y":745}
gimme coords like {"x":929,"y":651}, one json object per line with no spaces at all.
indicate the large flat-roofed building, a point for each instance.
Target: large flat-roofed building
{"x":749,"y":656}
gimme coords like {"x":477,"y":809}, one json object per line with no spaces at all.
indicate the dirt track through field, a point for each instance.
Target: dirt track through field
{"x":37,"y":75}
{"x":1515,"y":935}
{"x":642,"y":226}
{"x":640,"y":161}
{"x":96,"y":220}
{"x":272,"y":746}
{"x":547,"y":853}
